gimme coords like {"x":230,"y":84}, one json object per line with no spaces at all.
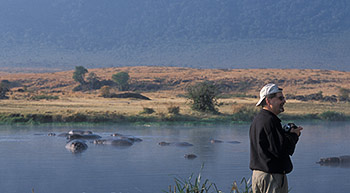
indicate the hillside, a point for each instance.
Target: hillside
{"x":58,"y":34}
{"x":176,"y":79}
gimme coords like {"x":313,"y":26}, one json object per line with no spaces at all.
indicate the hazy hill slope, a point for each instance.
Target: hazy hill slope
{"x":195,"y":33}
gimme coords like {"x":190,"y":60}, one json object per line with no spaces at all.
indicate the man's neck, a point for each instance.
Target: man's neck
{"x":269,"y":109}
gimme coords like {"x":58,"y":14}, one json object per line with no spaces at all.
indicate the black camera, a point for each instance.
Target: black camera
{"x":289,"y":126}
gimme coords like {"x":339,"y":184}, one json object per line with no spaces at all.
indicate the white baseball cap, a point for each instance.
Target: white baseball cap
{"x":267,"y":90}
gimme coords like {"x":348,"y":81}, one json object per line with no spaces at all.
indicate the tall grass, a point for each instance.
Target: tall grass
{"x":244,"y":113}
{"x":197,"y":185}
{"x":333,"y":116}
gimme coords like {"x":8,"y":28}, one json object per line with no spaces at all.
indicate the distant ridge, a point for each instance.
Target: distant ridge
{"x":57,"y":35}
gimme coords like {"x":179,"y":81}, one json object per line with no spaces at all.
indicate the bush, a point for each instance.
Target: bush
{"x":46,"y":97}
{"x":147,"y":110}
{"x":174,"y":110}
{"x":93,"y":81}
{"x":105,"y":91}
{"x":344,"y":94}
{"x":203,"y":96}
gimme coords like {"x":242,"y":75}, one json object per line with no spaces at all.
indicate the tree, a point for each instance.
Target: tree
{"x":203,"y":96}
{"x":79,"y":74}
{"x":4,"y":88}
{"x":121,"y":79}
{"x":344,"y":94}
{"x":93,"y":81}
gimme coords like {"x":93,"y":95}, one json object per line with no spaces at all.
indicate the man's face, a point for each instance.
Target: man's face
{"x":276,"y":103}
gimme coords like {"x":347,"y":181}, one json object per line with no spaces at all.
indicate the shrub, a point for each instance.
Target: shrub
{"x":174,"y":110}
{"x":93,"y":81}
{"x":344,"y":94}
{"x":147,"y":110}
{"x":46,"y":97}
{"x":203,"y":96}
{"x":105,"y":91}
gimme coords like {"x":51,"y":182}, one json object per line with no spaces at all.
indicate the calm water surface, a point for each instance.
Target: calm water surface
{"x":32,"y":159}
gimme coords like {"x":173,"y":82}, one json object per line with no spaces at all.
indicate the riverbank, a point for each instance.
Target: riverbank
{"x":106,"y":118}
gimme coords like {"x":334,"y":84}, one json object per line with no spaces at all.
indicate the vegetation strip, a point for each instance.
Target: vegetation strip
{"x":143,"y":117}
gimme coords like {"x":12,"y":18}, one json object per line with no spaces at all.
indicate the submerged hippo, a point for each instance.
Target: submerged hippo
{"x":190,"y":156}
{"x":179,"y":144}
{"x":234,"y":142}
{"x":335,"y":161}
{"x":85,"y":136}
{"x":114,"y":142}
{"x":76,"y":146}
{"x":129,"y":137}
{"x":219,"y":141}
{"x":215,"y":141}
{"x":80,"y":132}
{"x":75,"y":131}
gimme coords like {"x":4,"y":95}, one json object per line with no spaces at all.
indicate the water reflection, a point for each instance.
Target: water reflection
{"x":33,"y":159}
{"x":341,"y":161}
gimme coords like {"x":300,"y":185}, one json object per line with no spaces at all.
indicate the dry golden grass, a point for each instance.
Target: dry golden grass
{"x":292,"y":80}
{"x":297,"y":82}
{"x":126,"y":107}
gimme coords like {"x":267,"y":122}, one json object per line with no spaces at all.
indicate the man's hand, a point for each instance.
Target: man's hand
{"x":296,"y":130}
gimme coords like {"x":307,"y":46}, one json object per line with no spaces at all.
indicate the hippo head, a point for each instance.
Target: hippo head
{"x":100,"y":141}
{"x":163,"y":143}
{"x":76,"y":146}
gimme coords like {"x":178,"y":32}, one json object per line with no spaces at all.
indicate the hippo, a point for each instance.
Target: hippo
{"x":76,"y":146}
{"x":215,"y":141}
{"x":114,"y":142}
{"x":163,"y":143}
{"x":129,"y":137}
{"x":190,"y":156}
{"x":80,"y":132}
{"x":117,"y":135}
{"x":75,"y":131}
{"x":342,"y":161}
{"x":219,"y":141}
{"x":179,"y":144}
{"x":84,"y":136}
{"x":234,"y":142}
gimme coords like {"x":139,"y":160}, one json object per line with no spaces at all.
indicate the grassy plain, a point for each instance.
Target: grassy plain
{"x":165,"y":86}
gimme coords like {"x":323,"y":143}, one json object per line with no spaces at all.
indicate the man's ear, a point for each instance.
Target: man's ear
{"x":267,"y":100}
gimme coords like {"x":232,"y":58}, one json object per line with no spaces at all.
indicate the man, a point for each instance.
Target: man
{"x":271,"y":146}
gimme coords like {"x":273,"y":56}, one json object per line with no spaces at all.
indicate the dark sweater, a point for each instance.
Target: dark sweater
{"x":270,"y":146}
